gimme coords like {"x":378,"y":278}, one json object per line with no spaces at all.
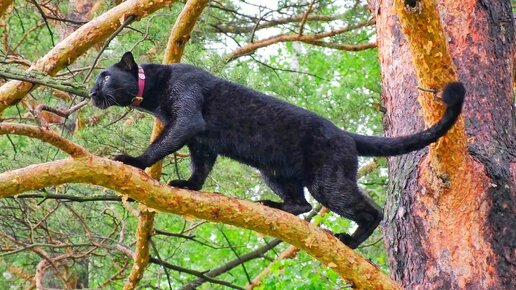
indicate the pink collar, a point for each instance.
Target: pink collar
{"x":141,"y":86}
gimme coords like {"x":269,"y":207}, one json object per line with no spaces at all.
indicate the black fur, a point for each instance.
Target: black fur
{"x":292,"y":147}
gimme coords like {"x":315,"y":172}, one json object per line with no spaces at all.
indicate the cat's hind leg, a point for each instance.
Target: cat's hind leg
{"x":343,"y":197}
{"x":291,"y":191}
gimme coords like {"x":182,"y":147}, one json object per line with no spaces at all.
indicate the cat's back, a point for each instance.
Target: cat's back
{"x":229,"y":102}
{"x":191,"y":74}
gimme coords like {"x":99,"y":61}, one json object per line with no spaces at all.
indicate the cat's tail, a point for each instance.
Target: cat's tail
{"x":453,"y":97}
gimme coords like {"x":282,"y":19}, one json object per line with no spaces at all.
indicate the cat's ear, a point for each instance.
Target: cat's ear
{"x":127,"y":62}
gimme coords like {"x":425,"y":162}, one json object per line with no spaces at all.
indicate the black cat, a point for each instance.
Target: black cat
{"x":292,"y":147}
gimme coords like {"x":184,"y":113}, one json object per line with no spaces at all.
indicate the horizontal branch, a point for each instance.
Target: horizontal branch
{"x":308,"y":38}
{"x":40,"y":78}
{"x":342,"y":46}
{"x":237,"y":28}
{"x":317,"y":242}
{"x":45,"y":135}
{"x":74,"y":198}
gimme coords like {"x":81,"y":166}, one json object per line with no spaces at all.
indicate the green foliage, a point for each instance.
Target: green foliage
{"x":341,"y":86}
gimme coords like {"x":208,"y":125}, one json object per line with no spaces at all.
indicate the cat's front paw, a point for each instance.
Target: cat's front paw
{"x":129,"y":160}
{"x":184,"y":184}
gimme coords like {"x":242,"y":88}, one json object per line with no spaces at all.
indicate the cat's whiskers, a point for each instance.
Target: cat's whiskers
{"x":112,"y":99}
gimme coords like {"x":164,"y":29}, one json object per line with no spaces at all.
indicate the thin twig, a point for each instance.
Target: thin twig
{"x":119,"y":118}
{"x":257,"y":253}
{"x":187,"y":237}
{"x":65,"y":113}
{"x":40,"y":78}
{"x":12,"y":144}
{"x":193,"y":272}
{"x":433,"y":91}
{"x":159,"y":257}
{"x":46,"y":21}
{"x":237,"y":255}
{"x":305,"y":17}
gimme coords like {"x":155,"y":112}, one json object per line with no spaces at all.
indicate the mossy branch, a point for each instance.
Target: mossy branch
{"x":43,"y":79}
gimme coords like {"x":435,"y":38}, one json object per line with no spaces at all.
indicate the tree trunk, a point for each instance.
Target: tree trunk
{"x":456,"y":228}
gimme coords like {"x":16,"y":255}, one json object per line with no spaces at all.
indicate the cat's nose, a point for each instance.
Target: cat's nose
{"x":93,"y":94}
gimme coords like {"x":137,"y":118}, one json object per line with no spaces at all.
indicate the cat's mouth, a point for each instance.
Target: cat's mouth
{"x":100,"y":103}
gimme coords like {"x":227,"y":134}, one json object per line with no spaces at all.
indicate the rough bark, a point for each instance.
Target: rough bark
{"x":4,"y":5}
{"x":182,"y":28}
{"x":141,"y":255}
{"x":451,"y":212}
{"x":68,"y":50}
{"x":214,"y":207}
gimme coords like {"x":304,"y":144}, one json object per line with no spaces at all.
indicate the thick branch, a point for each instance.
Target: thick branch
{"x":79,"y":42}
{"x":74,"y":198}
{"x":182,"y":28}
{"x":141,"y":254}
{"x":45,"y":135}
{"x":213,"y":207}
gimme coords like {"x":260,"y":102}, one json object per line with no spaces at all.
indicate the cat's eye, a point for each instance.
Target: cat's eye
{"x":106,"y":78}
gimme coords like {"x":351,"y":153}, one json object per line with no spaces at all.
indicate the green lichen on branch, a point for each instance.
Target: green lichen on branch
{"x":43,"y":79}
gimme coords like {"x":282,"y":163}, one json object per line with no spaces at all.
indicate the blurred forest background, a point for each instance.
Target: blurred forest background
{"x":88,"y":231}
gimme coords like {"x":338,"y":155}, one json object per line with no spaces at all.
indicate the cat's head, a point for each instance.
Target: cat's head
{"x":117,"y":85}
